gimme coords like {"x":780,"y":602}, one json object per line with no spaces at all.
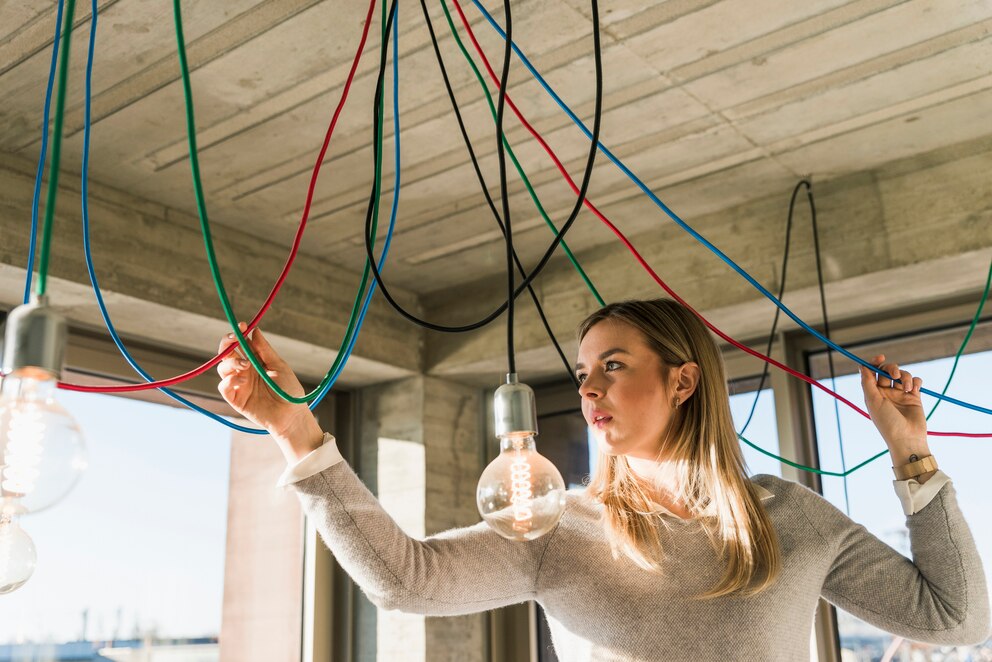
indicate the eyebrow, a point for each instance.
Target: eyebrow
{"x":609,"y":352}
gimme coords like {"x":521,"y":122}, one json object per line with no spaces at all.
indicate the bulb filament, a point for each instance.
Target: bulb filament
{"x":520,"y":485}
{"x":24,"y":450}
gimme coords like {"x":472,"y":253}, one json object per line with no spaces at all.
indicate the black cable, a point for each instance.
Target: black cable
{"x":587,"y":175}
{"x":504,"y":194}
{"x":826,"y":334}
{"x":781,"y":289}
{"x":485,"y":190}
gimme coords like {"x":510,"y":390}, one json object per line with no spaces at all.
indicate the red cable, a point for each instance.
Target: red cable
{"x":289,"y":261}
{"x":646,"y":266}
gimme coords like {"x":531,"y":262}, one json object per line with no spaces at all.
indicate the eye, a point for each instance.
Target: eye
{"x":580,"y":377}
{"x":613,"y":365}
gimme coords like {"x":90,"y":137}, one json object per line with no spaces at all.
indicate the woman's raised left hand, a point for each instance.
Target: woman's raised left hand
{"x":896,"y":409}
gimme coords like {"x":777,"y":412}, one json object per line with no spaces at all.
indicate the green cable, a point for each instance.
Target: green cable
{"x":971,"y":330}
{"x":957,"y":358}
{"x":53,"y":172}
{"x":516,"y":163}
{"x":208,"y":241}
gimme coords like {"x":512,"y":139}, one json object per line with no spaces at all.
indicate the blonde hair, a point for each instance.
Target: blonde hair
{"x":701,"y":442}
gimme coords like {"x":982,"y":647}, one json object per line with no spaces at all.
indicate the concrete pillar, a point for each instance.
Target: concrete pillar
{"x":422,"y":451}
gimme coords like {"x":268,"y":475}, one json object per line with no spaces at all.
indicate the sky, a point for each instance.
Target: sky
{"x":140,"y":541}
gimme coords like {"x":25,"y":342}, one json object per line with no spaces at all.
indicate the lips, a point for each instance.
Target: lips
{"x":598,"y":418}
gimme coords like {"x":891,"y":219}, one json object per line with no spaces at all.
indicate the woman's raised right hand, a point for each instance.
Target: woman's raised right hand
{"x":293,"y":426}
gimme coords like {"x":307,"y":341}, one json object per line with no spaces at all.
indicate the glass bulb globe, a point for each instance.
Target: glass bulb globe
{"x":17,"y":555}
{"x":42,"y":454}
{"x":521,"y":494}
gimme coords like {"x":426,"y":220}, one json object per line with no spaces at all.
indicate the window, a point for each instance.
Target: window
{"x":135,"y":555}
{"x":869,"y":491}
{"x":762,"y":430}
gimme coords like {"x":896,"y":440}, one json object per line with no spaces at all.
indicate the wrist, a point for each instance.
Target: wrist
{"x":902,"y":452}
{"x":301,"y":437}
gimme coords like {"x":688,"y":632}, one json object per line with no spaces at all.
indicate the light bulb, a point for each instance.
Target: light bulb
{"x":42,"y":454}
{"x":521,"y":494}
{"x":17,"y":555}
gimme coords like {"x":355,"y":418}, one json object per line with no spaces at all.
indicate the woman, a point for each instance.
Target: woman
{"x":671,"y":552}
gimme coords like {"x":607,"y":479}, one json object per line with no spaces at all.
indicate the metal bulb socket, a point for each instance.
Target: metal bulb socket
{"x":515,"y":410}
{"x":34,"y":341}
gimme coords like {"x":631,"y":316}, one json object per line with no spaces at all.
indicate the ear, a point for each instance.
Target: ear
{"x":686,"y":380}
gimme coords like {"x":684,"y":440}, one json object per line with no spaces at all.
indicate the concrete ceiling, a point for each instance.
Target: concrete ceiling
{"x":711,"y":103}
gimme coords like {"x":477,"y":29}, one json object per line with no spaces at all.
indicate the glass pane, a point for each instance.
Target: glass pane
{"x":761,"y":431}
{"x":134,"y":557}
{"x":870,"y":494}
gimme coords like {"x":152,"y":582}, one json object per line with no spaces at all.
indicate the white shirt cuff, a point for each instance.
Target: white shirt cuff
{"x":915,"y":497}
{"x":322,"y":457}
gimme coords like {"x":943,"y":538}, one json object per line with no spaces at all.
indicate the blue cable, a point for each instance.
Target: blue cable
{"x":88,"y":254}
{"x":396,"y":196}
{"x":44,"y":150}
{"x":698,"y":237}
{"x":95,"y":283}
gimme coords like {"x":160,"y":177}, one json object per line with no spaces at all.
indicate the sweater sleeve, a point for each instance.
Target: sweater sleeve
{"x":939,"y":597}
{"x":460,"y":571}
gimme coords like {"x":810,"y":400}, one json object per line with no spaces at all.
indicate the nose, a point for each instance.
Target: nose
{"x":590,"y":388}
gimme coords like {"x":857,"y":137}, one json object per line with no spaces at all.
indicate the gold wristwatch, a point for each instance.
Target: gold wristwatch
{"x":916,"y":467}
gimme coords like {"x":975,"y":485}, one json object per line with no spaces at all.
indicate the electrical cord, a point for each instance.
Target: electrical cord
{"x":350,"y":337}
{"x":974,"y":323}
{"x":597,"y":53}
{"x":764,"y":373}
{"x":504,"y":193}
{"x":781,"y":292}
{"x":685,"y":226}
{"x":513,"y":157}
{"x":53,"y":171}
{"x":289,"y":261}
{"x":204,"y":223}
{"x":87,"y":249}
{"x":826,"y":332}
{"x":489,"y":200}
{"x":971,"y":329}
{"x":201,"y":207}
{"x":40,"y":171}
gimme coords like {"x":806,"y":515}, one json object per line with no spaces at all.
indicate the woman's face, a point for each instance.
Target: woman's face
{"x":625,"y":399}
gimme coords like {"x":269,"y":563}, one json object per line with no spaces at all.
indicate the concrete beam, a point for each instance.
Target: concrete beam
{"x":153,"y":271}
{"x":913,"y":233}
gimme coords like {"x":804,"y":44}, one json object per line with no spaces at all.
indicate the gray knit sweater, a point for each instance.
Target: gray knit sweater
{"x":600,"y":608}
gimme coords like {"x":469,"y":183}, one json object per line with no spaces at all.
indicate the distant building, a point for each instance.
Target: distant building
{"x":205,"y":649}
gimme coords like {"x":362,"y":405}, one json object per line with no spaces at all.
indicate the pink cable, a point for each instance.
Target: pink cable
{"x":289,"y":261}
{"x":589,"y":205}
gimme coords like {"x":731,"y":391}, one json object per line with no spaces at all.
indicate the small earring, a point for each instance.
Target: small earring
{"x":676,"y":403}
